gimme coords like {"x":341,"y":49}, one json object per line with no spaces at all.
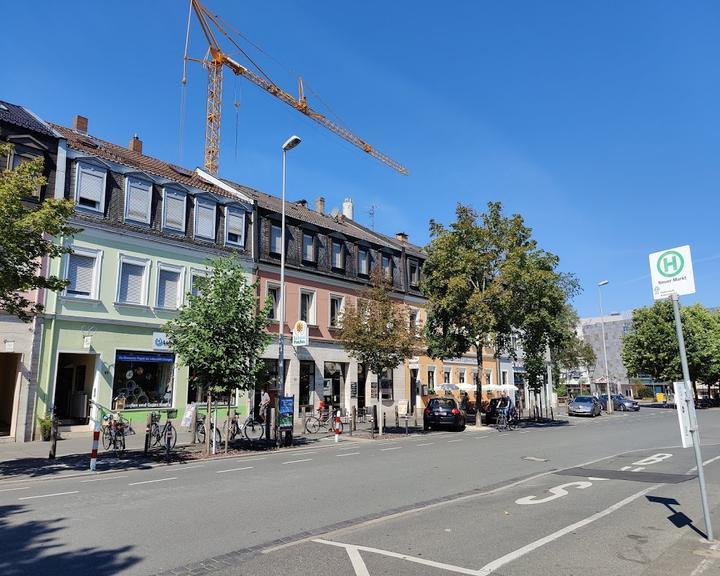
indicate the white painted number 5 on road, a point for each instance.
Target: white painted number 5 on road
{"x":556,"y":492}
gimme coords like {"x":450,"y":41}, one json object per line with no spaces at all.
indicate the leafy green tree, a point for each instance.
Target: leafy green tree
{"x":26,"y":237}
{"x":376,"y":330}
{"x":651,"y":346}
{"x":468,"y":280}
{"x":221,"y":333}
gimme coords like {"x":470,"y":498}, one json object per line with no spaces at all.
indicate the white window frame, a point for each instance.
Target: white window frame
{"x":149,"y":203}
{"x":91,"y":253}
{"x":367,"y":261}
{"x":270,"y":248}
{"x":462,"y":374}
{"x":181,"y":282}
{"x":205,"y":202}
{"x":312,"y":316}
{"x":331,"y":297}
{"x":387,"y":273}
{"x":193,"y":273}
{"x":164,"y":210}
{"x":124,"y":258}
{"x":447,"y":371}
{"x":79,"y":167}
{"x":412,"y":263}
{"x":242,"y":213}
{"x":334,"y":242}
{"x":273,"y":286}
{"x":313,"y":239}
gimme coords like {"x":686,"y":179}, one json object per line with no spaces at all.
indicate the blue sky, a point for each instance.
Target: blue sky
{"x":598,"y":121}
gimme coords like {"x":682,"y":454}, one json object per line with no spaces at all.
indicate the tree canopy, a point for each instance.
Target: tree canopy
{"x":27,"y":237}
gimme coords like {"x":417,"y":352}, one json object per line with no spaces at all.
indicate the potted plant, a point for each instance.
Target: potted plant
{"x":45,"y":426}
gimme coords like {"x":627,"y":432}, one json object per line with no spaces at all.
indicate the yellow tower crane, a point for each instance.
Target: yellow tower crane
{"x":215,"y":63}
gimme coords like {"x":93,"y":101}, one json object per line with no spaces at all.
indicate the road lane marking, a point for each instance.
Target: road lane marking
{"x":393,"y":448}
{"x":426,"y":444}
{"x":49,"y":495}
{"x":694,"y":468}
{"x":233,"y":469}
{"x":490,"y":567}
{"x":191,"y":467}
{"x":534,"y":459}
{"x":13,"y":489}
{"x":296,"y":461}
{"x":357,"y":562}
{"x":103,"y":478}
{"x":459,"y":440}
{"x":624,"y":468}
{"x":347,"y":454}
{"x":152,"y":481}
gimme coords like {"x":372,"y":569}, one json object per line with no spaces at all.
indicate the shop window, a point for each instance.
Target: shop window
{"x":90,"y":187}
{"x":363,"y":262}
{"x":334,"y":382}
{"x":337,"y":306}
{"x":174,"y":211}
{"x":307,"y":306}
{"x":268,"y":374}
{"x":138,"y":197}
{"x":386,"y":384}
{"x":143,"y":379}
{"x":308,"y":247}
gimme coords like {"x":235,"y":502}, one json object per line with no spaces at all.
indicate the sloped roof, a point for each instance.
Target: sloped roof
{"x":19,"y":116}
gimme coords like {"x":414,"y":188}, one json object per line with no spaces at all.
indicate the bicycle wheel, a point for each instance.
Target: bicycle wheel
{"x":173,"y":434}
{"x":501,"y":422}
{"x":312,"y":425}
{"x":119,"y":444}
{"x":218,"y":436}
{"x":253,"y":430}
{"x":200,"y":432}
{"x":106,"y":438}
{"x":512,"y":423}
{"x":155,"y":434}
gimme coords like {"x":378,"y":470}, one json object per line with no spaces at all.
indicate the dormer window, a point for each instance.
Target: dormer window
{"x":338,"y":255}
{"x":387,"y":267}
{"x":363,"y":262}
{"x":138,"y":199}
{"x":205,"y":219}
{"x":275,"y":239}
{"x":414,"y":272}
{"x":90,"y":187}
{"x":308,"y":247}
{"x":174,"y":203}
{"x":235,"y":227}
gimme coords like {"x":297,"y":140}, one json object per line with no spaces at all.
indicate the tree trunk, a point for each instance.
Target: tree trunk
{"x":478,"y":386}
{"x":208,"y":423}
{"x":228,"y":424}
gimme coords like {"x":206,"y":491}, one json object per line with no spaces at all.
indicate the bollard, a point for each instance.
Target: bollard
{"x":337,"y":427}
{"x":374,"y":421}
{"x":384,"y":420}
{"x":302,"y":419}
{"x":407,"y":417}
{"x":53,"y":435}
{"x":267,"y":426}
{"x":353,"y":420}
{"x":168,"y":443}
{"x":397,"y":418}
{"x":96,"y":438}
{"x":552,"y":416}
{"x":148,"y":426}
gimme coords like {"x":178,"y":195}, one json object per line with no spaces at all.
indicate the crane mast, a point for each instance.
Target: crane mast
{"x":215,"y":63}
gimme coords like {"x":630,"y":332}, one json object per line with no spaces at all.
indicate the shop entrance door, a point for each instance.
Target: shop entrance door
{"x":362,"y":377}
{"x":414,"y":392}
{"x":9,"y":374}
{"x":73,"y":387}
{"x":334,"y":383}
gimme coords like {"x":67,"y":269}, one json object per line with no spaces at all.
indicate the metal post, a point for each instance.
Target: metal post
{"x":609,"y":408}
{"x":694,"y":428}
{"x":53,"y":434}
{"x":148,"y":426}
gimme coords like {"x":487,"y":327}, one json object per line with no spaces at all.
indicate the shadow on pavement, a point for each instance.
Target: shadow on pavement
{"x":36,"y":547}
{"x":43,"y":467}
{"x":677,"y":518}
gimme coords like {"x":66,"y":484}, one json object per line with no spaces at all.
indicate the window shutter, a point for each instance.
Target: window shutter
{"x":91,"y":183}
{"x":174,"y":211}
{"x":236,"y":225}
{"x":205,"y":219}
{"x":80,"y":273}
{"x":131,"y":283}
{"x":168,"y":283}
{"x":138,"y":200}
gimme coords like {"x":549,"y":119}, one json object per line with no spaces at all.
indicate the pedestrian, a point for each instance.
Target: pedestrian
{"x":264,"y":403}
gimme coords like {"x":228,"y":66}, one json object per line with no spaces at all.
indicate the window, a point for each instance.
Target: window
{"x":414,"y":273}
{"x":414,"y":321}
{"x":132,"y":285}
{"x":196,"y":278}
{"x":275,"y":239}
{"x":363,"y":262}
{"x":205,"y":219}
{"x":274,"y":293}
{"x":81,"y":271}
{"x":386,"y":384}
{"x":138,"y":198}
{"x":337,"y":306}
{"x":143,"y":379}
{"x":235,"y":227}
{"x":338,"y":256}
{"x":504,"y":377}
{"x":446,"y":376}
{"x":387,"y":267}
{"x":90,"y":187}
{"x":307,"y":306}
{"x":488,"y":377}
{"x":308,"y":247}
{"x":15,"y":159}
{"x":168,"y":290}
{"x":431,"y":378}
{"x":174,"y":210}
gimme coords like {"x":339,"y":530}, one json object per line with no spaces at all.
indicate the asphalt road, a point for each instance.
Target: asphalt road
{"x":475,"y":502}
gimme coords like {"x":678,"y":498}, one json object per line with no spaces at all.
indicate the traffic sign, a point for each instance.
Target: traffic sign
{"x":671,"y":272}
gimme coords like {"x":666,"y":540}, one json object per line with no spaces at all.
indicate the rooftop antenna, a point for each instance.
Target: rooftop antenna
{"x":371,"y":213}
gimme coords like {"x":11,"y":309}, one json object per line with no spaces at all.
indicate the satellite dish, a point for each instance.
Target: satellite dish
{"x":334,"y":212}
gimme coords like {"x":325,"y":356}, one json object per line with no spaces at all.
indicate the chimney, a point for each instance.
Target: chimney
{"x":402,"y":237}
{"x":80,"y":123}
{"x":135,"y":145}
{"x":348,"y":208}
{"x":320,"y":205}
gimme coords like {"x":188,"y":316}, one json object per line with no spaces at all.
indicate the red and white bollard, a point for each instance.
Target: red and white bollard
{"x":95,"y":442}
{"x":337,"y":427}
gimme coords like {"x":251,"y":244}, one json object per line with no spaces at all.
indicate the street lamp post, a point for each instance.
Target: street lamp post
{"x":289,"y":144}
{"x":602,"y":324}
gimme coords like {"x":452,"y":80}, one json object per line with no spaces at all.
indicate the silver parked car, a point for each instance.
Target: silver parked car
{"x":584,"y":406}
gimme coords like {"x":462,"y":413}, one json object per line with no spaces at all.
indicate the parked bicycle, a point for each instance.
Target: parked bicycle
{"x":159,"y":435}
{"x":200,"y":431}
{"x":113,"y":436}
{"x":251,"y":428}
{"x":326,"y":421}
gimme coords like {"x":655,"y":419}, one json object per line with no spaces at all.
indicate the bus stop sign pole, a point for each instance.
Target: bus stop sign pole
{"x":694,"y":431}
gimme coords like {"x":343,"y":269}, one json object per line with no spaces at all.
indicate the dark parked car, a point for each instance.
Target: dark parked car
{"x":443,"y":412}
{"x":620,"y":403}
{"x":584,"y":406}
